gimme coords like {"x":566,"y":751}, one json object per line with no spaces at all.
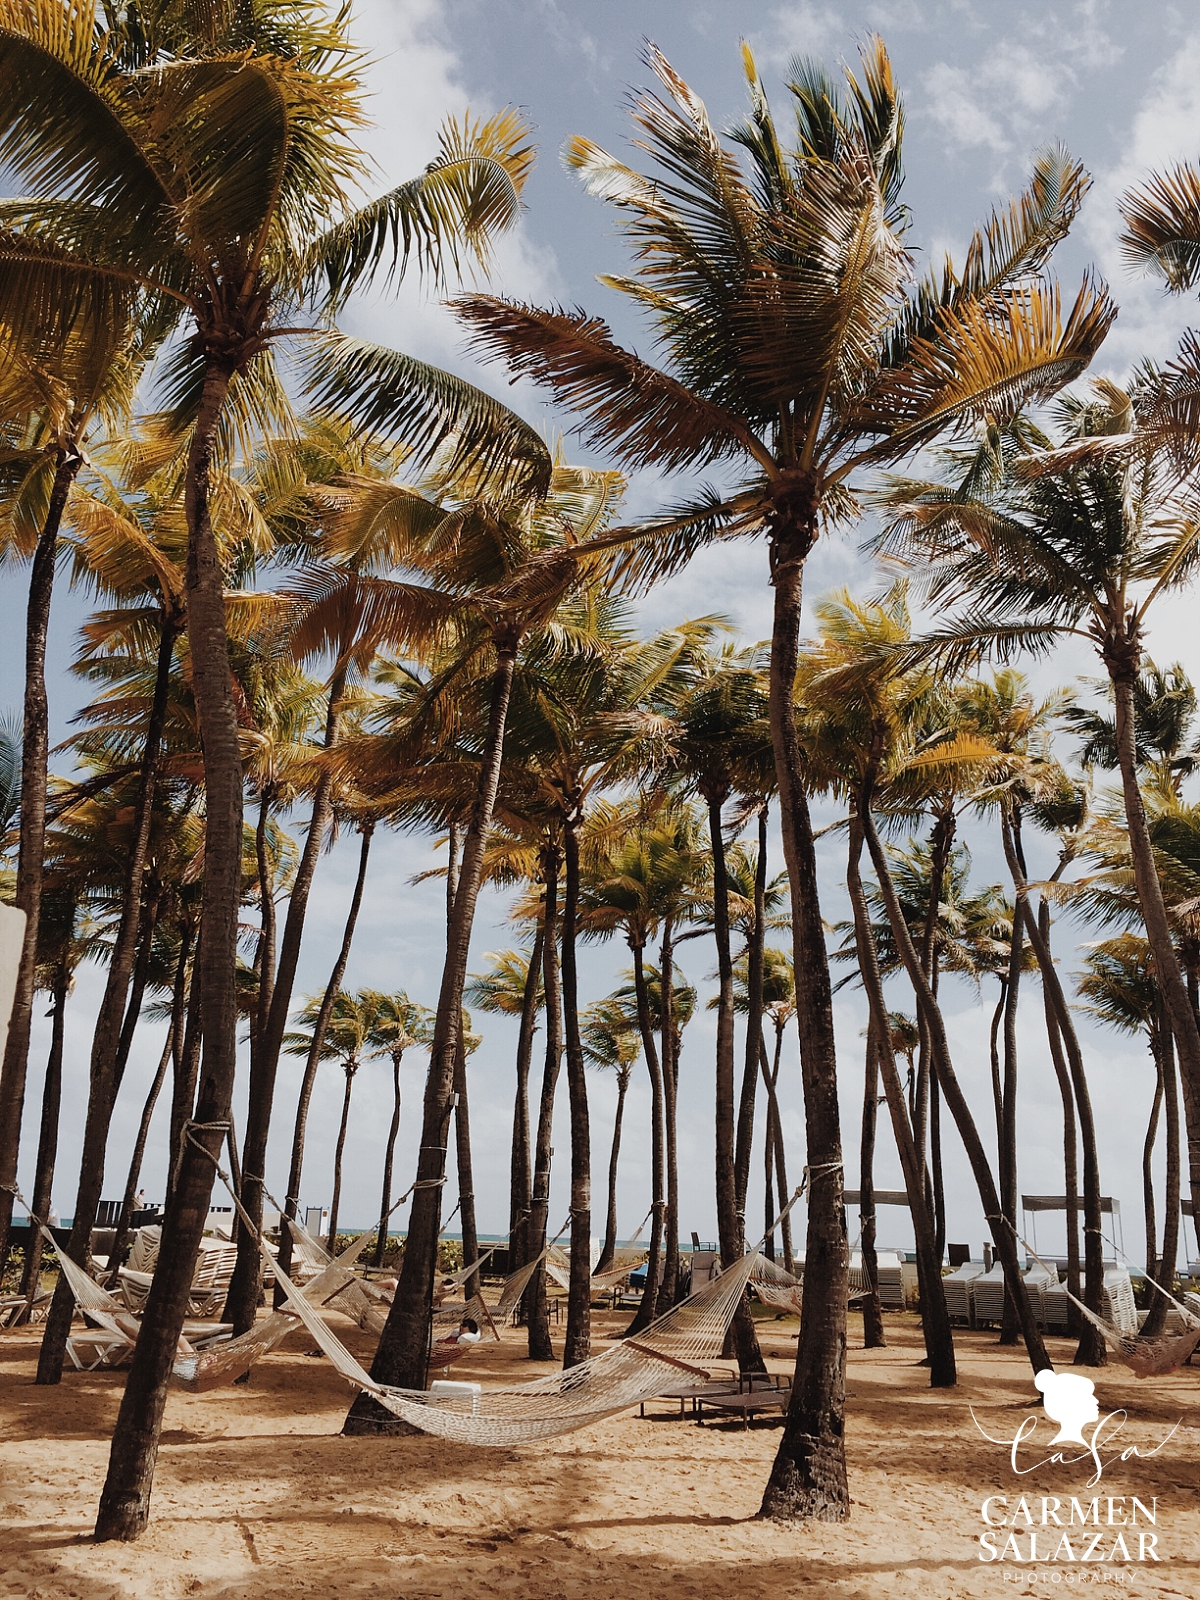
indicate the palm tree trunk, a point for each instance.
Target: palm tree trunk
{"x":609,"y":1251}
{"x":385,"y":1199}
{"x":466,"y":1167}
{"x":669,"y":1285}
{"x":107,"y":1064}
{"x":1009,"y":1329}
{"x":874,"y":1337}
{"x":31,"y":849}
{"x":1165,"y":1276}
{"x":185,"y":1071}
{"x":537,"y":1323}
{"x":519,"y":1180}
{"x":1148,"y":1164}
{"x":125,"y":1501}
{"x":1092,"y":1351}
{"x":1070,"y":1148}
{"x":245,"y":1288}
{"x":808,"y":1477}
{"x":313,"y":1059}
{"x":43,"y":1182}
{"x":265,"y":961}
{"x":754,"y":1011}
{"x":1122,"y":657}
{"x":577,"y":1346}
{"x":935,"y":1318}
{"x":731,"y":1220}
{"x":124,"y":1225}
{"x":336,"y":1202}
{"x":644,"y":1314}
{"x":781,"y":1179}
{"x":1003,"y":1233}
{"x":402,"y":1356}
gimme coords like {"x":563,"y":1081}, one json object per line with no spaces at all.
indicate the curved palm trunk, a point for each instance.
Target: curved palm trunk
{"x":754,"y":1013}
{"x":313,"y":1059}
{"x":112,"y":1037}
{"x":1165,"y":1274}
{"x":385,"y":1200}
{"x":1003,"y":1233}
{"x":935,"y":1318}
{"x":577,"y":1345}
{"x":31,"y":848}
{"x":610,"y":1227}
{"x":185,"y":1071}
{"x":245,"y":1288}
{"x":125,"y":1501}
{"x":43,"y":1181}
{"x":1148,"y":1164}
{"x":808,"y":1477}
{"x":644,"y":1314}
{"x":731,"y":1219}
{"x":466,"y":1167}
{"x":265,"y":954}
{"x":402,"y":1356}
{"x":1092,"y":1350}
{"x":520,"y":1178}
{"x":124,"y":1225}
{"x":540,"y":1348}
{"x":781,"y":1179}
{"x":874,"y":1337}
{"x":669,"y":1285}
{"x":1070,"y":1148}
{"x":1122,"y":657}
{"x":339,"y":1149}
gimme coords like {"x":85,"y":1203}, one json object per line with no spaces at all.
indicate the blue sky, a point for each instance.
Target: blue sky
{"x":985,"y":86}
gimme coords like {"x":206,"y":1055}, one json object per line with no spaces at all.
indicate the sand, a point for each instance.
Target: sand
{"x":257,"y":1497}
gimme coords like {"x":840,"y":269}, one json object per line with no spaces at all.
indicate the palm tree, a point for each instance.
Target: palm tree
{"x":795,"y":356}
{"x":1119,"y":987}
{"x":265,"y":135}
{"x":398,"y":1024}
{"x":611,"y":1042}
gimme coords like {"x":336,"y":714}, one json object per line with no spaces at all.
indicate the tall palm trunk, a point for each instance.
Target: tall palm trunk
{"x":313,"y":1059}
{"x":185,"y":1070}
{"x":1122,"y":656}
{"x":935,"y":1318}
{"x":1003,"y":1234}
{"x":520,"y":1176}
{"x":335,"y":1203}
{"x":577,"y":1346}
{"x":1148,"y":1144}
{"x":537,"y":1323}
{"x":1092,"y":1351}
{"x":609,"y":1251}
{"x":1070,"y":1146}
{"x":106,"y":1065}
{"x":31,"y":849}
{"x":128,"y":1200}
{"x":808,"y":1477}
{"x":389,"y":1154}
{"x":754,"y":1012}
{"x":245,"y":1288}
{"x":874,"y":1337}
{"x":731,"y":1220}
{"x":644,"y":1314}
{"x":669,"y":1284}
{"x":1165,"y":1275}
{"x":941,"y":843}
{"x":772,"y":1082}
{"x":265,"y":954}
{"x":1009,"y":1329}
{"x":466,"y":1166}
{"x":43,"y":1181}
{"x":402,"y":1356}
{"x":125,"y":1501}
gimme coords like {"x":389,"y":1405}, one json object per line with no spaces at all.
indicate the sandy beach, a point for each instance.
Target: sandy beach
{"x":258,"y":1497}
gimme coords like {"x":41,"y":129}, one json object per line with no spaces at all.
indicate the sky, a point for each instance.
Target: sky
{"x":985,"y":86}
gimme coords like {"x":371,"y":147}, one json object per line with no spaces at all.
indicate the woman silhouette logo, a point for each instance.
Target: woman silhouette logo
{"x":1070,"y":1401}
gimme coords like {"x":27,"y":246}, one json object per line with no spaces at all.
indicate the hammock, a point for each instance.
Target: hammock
{"x":777,"y":1288}
{"x":1145,"y":1358}
{"x":633,"y":1371}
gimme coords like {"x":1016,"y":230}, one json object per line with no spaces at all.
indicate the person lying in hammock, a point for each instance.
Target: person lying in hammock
{"x":453,"y":1345}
